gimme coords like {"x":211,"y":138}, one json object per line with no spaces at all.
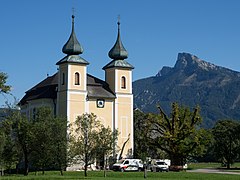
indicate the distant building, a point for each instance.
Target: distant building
{"x":71,"y":91}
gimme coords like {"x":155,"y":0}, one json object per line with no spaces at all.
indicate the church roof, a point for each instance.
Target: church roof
{"x":47,"y":89}
{"x":72,"y":59}
{"x":118,"y":63}
{"x":98,"y":88}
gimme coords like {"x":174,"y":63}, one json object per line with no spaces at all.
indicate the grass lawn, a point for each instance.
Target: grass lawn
{"x":98,"y":175}
{"x":234,"y":168}
{"x":203,"y":165}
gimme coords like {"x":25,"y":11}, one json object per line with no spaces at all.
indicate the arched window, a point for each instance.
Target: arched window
{"x":63,"y":78}
{"x":77,"y":78}
{"x":123,"y":82}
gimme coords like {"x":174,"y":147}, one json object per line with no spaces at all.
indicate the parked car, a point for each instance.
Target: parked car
{"x":128,"y":165}
{"x":159,"y":166}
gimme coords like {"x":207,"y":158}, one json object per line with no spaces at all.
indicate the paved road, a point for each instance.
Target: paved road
{"x":211,"y":170}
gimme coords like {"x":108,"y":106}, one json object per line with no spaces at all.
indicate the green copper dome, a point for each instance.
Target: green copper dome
{"x":72,"y":46}
{"x":118,"y":52}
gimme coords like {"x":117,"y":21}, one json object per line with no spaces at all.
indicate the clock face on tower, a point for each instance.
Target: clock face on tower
{"x":100,"y":103}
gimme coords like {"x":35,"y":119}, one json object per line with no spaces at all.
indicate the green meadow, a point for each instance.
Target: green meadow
{"x":98,"y":175}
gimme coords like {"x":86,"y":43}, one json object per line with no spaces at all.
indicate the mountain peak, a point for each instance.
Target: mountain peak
{"x":186,"y":59}
{"x":192,"y":82}
{"x":188,"y":62}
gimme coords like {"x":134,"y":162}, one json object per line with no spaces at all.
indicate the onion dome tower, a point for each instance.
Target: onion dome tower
{"x":118,"y":53}
{"x":72,"y":46}
{"x":72,"y":49}
{"x":72,"y":79}
{"x":118,"y":74}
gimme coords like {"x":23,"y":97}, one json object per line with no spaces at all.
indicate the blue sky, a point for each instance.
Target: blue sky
{"x":33,"y":32}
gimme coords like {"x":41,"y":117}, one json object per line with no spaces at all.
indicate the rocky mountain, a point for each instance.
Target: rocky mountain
{"x":192,"y":82}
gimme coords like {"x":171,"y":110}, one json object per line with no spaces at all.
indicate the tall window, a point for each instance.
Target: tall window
{"x":77,"y":78}
{"x":123,"y":82}
{"x":63,"y":78}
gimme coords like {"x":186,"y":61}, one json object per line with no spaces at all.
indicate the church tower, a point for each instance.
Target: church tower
{"x":118,"y":74}
{"x":72,"y":80}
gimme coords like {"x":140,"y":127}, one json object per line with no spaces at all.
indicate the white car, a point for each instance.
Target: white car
{"x":159,"y":166}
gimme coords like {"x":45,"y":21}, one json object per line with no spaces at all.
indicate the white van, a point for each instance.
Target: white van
{"x":128,"y":165}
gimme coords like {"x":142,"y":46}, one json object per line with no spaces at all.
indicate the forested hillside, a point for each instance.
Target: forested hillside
{"x":192,"y":82}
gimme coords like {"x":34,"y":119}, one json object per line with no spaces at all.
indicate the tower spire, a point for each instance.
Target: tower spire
{"x":118,"y":23}
{"x":118,"y":52}
{"x":72,"y":46}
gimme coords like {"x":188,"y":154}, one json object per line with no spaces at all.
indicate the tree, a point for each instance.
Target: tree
{"x":3,"y":87}
{"x":2,"y":144}
{"x":23,"y":137}
{"x":9,"y":154}
{"x":208,"y":155}
{"x":83,"y":142}
{"x":50,"y":141}
{"x":179,"y":135}
{"x":142,"y":146}
{"x":19,"y":139}
{"x":59,"y":143}
{"x":227,"y":141}
{"x":88,"y":138}
{"x":41,"y":156}
{"x":41,"y":141}
{"x":106,"y":144}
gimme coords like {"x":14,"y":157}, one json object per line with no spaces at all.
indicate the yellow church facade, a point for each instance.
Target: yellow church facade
{"x":71,"y":91}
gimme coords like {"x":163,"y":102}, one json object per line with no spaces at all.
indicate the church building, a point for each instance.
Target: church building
{"x":71,"y":91}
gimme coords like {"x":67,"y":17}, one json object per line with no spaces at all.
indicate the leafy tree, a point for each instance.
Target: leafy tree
{"x":179,"y":135}
{"x":23,"y":137}
{"x":3,"y":139}
{"x":142,"y":145}
{"x":50,"y":133}
{"x":59,"y":143}
{"x":41,"y":141}
{"x":83,"y":140}
{"x":106,"y":144}
{"x":208,"y":155}
{"x":227,"y":141}
{"x":9,"y":154}
{"x":89,"y":138}
{"x":3,"y":87}
{"x":18,"y":136}
{"x":2,"y":144}
{"x":41,"y":156}
{"x":8,"y":151}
